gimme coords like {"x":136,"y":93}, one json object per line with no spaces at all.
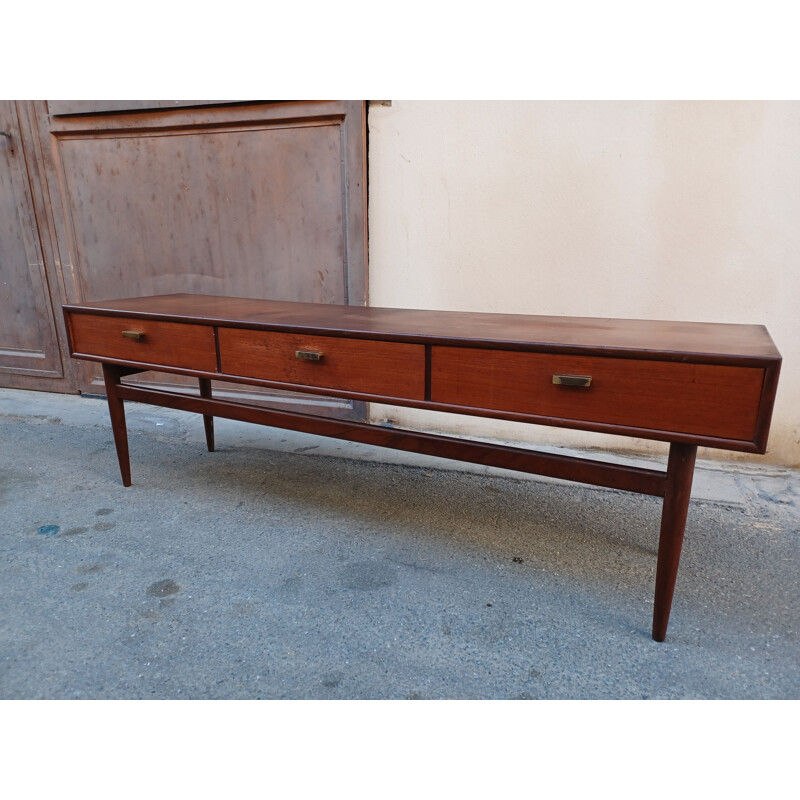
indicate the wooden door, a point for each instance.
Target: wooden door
{"x":260,"y":200}
{"x":30,"y":356}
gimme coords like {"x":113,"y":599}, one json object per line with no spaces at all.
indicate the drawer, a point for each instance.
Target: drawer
{"x":169,"y":344}
{"x":361,"y":366}
{"x":704,"y":399}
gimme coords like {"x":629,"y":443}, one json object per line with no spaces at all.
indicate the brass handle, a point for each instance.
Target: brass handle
{"x":573,"y":380}
{"x":137,"y":336}
{"x":308,"y":355}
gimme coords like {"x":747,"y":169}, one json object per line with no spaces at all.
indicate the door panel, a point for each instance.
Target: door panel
{"x":252,"y":213}
{"x":29,"y":351}
{"x":263,"y":200}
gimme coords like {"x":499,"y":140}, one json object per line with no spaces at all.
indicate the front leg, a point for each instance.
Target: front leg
{"x":680,"y":471}
{"x":208,"y":420}
{"x":116,"y":410}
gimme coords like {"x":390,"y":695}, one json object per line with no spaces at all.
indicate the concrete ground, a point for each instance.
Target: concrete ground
{"x":289,"y":566}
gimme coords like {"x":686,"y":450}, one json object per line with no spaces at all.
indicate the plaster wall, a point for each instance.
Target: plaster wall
{"x":658,"y":210}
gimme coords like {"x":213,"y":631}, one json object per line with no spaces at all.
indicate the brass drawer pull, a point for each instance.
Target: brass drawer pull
{"x":573,"y":380}
{"x":308,"y":355}
{"x":137,"y":336}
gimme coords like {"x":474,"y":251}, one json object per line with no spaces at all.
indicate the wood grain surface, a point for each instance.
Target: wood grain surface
{"x":705,"y":399}
{"x":391,"y":369}
{"x":699,"y":383}
{"x":172,"y":344}
{"x":717,"y":342}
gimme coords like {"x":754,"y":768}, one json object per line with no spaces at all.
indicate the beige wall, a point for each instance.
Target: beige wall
{"x":662,"y":210}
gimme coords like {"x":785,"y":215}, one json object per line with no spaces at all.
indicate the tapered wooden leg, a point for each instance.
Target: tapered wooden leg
{"x":116,"y":410}
{"x":208,"y":420}
{"x":680,"y":471}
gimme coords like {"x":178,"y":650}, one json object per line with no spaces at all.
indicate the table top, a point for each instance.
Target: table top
{"x":659,"y":338}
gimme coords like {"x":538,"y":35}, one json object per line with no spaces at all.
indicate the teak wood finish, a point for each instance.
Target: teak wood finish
{"x":688,"y":384}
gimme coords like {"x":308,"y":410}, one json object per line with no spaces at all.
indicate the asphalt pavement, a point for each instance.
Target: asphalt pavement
{"x":289,"y":566}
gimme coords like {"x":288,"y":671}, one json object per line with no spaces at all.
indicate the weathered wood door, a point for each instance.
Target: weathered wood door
{"x":250,"y":199}
{"x":30,"y":356}
{"x":263,"y":200}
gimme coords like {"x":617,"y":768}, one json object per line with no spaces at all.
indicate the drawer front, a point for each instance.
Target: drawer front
{"x":702,"y":399}
{"x":362,"y":366}
{"x":170,"y":344}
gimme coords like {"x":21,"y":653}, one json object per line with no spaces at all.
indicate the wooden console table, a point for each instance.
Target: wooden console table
{"x":685,"y":383}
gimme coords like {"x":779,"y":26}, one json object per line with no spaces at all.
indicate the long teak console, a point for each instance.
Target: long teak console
{"x":688,"y":384}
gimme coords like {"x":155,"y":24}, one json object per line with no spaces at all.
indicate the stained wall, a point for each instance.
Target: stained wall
{"x":657,"y":210}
